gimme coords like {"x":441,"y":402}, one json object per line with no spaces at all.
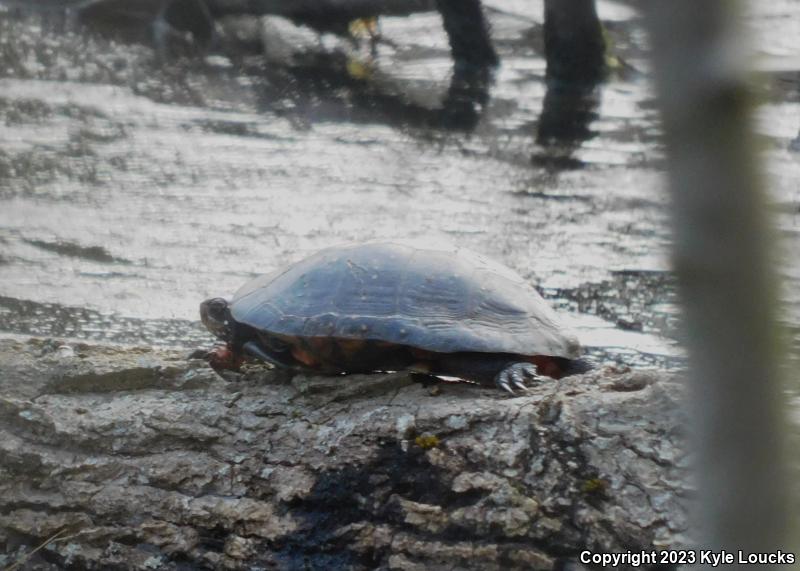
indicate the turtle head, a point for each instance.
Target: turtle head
{"x":216,"y":316}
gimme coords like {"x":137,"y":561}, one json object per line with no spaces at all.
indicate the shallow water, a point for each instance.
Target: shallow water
{"x":134,"y":184}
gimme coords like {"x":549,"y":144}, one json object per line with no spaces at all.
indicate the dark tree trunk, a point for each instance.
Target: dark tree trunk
{"x":573,"y":41}
{"x":468,"y":32}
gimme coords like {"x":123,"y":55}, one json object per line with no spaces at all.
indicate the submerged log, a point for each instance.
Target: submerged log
{"x":140,"y":459}
{"x":463,"y":20}
{"x":351,"y":9}
{"x":197,"y":17}
{"x":288,"y":8}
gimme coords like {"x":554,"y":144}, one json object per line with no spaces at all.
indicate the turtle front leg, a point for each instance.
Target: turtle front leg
{"x":503,"y":370}
{"x":514,"y":376}
{"x":255,"y":349}
{"x":223,"y":358}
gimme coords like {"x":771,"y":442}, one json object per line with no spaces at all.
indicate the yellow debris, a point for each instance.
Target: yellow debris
{"x":364,"y":27}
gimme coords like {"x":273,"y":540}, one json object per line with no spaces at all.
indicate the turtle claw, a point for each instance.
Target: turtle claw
{"x":502,"y":382}
{"x":515,"y":375}
{"x":517,"y":382}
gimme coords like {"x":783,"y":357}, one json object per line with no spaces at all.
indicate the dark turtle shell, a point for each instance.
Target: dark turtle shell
{"x":443,"y":301}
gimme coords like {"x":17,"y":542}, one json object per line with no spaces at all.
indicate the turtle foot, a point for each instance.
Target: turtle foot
{"x":514,"y":376}
{"x":198,"y":354}
{"x":221,"y":358}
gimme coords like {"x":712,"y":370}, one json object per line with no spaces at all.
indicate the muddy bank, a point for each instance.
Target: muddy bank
{"x":142,"y":459}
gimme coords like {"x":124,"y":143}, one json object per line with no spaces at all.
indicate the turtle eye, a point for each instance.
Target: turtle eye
{"x":216,"y":308}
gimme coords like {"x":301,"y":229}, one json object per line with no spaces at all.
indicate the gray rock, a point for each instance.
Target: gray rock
{"x":134,"y":458}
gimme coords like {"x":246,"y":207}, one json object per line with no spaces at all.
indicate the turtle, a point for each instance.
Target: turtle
{"x":384,"y":306}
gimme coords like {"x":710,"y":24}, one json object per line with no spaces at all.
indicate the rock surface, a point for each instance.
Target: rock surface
{"x":142,"y":459}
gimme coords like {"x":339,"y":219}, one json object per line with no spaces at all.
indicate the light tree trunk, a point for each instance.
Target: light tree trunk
{"x":722,"y":242}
